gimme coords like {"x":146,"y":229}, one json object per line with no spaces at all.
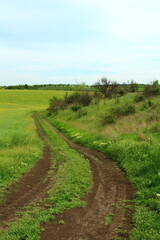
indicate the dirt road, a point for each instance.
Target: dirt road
{"x":31,"y":187}
{"x":110,"y":198}
{"x":112,"y":195}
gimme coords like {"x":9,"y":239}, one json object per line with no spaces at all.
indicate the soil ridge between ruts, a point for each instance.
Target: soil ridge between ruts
{"x":30,"y":188}
{"x":112,"y":195}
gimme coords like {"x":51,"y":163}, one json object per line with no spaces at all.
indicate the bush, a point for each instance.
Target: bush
{"x":56,"y":104}
{"x":152,"y":90}
{"x":122,"y":92}
{"x":81,"y":113}
{"x":76,"y":108}
{"x":117,"y":112}
{"x":73,"y":98}
{"x":124,"y":110}
{"x":85,"y":99}
{"x":108,"y":119}
{"x":138,"y":98}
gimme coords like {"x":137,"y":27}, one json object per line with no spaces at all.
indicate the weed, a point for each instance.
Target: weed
{"x":61,"y":222}
{"x":108,"y":218}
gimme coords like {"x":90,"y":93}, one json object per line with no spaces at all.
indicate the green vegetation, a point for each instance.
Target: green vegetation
{"x":20,"y":146}
{"x":73,"y":180}
{"x":132,"y":140}
{"x":108,"y":218}
{"x":65,"y":87}
{"x":125,"y":127}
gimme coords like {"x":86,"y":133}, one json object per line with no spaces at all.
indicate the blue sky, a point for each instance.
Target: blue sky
{"x":70,"y":41}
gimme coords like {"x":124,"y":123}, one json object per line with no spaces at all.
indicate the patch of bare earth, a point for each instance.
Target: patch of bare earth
{"x":111,"y":194}
{"x":31,"y":187}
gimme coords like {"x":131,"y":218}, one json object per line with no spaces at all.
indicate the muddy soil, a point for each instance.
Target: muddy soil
{"x":111,"y":195}
{"x":31,"y":187}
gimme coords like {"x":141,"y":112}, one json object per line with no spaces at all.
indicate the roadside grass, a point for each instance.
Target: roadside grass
{"x":73,"y":179}
{"x":137,"y":151}
{"x":131,"y":126}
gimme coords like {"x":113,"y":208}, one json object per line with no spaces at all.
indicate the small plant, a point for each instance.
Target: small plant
{"x":61,"y":222}
{"x":108,"y":218}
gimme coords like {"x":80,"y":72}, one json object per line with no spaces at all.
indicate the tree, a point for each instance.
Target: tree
{"x":103,"y":86}
{"x":152,"y":90}
{"x":133,"y":86}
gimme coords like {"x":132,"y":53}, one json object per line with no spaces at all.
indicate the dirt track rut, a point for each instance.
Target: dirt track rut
{"x":31,"y":187}
{"x":111,"y":194}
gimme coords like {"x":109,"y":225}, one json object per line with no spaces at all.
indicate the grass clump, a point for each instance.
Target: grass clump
{"x":108,"y":218}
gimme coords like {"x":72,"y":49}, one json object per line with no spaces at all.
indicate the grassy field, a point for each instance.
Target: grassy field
{"x":73,"y":180}
{"x":131,"y":139}
{"x":127,"y":130}
{"x":20,"y":146}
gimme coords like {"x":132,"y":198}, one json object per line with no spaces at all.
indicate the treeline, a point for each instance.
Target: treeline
{"x":104,"y":85}
{"x":66,"y":87}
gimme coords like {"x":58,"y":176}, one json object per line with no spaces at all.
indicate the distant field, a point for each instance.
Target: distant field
{"x":32,"y":99}
{"x":20,"y":146}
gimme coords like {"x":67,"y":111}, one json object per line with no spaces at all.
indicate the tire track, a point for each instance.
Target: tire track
{"x":111,"y":193}
{"x":31,"y":187}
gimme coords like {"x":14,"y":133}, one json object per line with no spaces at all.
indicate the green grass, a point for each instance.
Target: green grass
{"x":108,"y":218}
{"x":32,"y":99}
{"x":132,"y":126}
{"x":132,"y":143}
{"x":72,"y":181}
{"x":20,"y":145}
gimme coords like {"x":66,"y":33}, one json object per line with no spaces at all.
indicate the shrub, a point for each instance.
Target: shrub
{"x":81,"y":113}
{"x":116,"y":113}
{"x":138,"y":98}
{"x":152,"y":90}
{"x":56,"y":104}
{"x":73,"y":98}
{"x":124,"y":110}
{"x":76,"y":108}
{"x":122,"y":92}
{"x":85,"y":99}
{"x":108,"y":119}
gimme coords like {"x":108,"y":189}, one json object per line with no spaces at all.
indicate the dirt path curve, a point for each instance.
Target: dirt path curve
{"x":111,"y":194}
{"x":32,"y":186}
